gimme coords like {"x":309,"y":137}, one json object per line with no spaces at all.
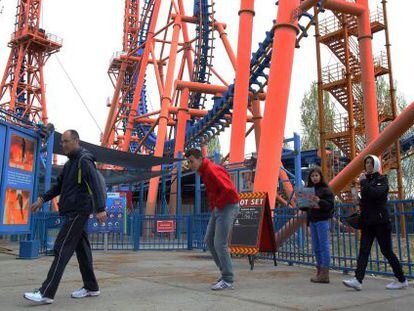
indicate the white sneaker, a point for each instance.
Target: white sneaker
{"x":353,"y":283}
{"x":397,"y":285}
{"x":36,"y":296}
{"x":82,"y":293}
{"x":216,"y":281}
{"x":222,"y":285}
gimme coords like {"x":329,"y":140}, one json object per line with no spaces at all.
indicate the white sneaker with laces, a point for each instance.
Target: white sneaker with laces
{"x":82,"y":293}
{"x":37,"y":296}
{"x":397,"y":285}
{"x":222,"y":285}
{"x":353,"y":283}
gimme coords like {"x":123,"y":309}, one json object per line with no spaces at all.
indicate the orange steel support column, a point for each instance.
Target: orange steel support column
{"x":367,"y":73}
{"x":141,"y":75}
{"x":322,"y":129}
{"x":241,"y":85}
{"x":226,"y":43}
{"x":163,"y":119}
{"x":107,"y":139}
{"x":257,"y":117}
{"x":385,"y":139}
{"x":182,"y":117}
{"x":336,"y":5}
{"x":204,"y":150}
{"x":287,"y":186}
{"x":273,"y":124}
{"x":186,"y":39}
{"x":43,"y":99}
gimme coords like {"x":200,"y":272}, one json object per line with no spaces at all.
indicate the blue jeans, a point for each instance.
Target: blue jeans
{"x":320,"y":242}
{"x":216,"y":238}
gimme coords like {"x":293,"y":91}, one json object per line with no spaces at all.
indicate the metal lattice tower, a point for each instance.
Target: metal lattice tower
{"x":22,"y":89}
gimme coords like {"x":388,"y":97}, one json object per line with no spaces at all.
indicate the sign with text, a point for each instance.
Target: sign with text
{"x":19,"y":151}
{"x":116,"y":210}
{"x":253,"y":227}
{"x":165,"y":226}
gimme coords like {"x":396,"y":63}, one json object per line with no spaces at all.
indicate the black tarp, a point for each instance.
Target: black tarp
{"x":116,"y":177}
{"x":115,"y":157}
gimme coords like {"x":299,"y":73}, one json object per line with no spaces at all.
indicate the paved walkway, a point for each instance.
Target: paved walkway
{"x":180,"y":281}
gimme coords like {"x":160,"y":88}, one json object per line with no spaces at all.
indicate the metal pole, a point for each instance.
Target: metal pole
{"x":49,"y":160}
{"x":271,"y":142}
{"x":179,"y":205}
{"x":241,"y":84}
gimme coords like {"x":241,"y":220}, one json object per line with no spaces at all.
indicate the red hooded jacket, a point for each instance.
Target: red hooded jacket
{"x":219,"y":186}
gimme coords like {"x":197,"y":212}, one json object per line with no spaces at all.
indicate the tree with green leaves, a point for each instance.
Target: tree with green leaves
{"x":310,"y":117}
{"x":213,"y":145}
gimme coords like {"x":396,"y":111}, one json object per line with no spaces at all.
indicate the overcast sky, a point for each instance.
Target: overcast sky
{"x":92,"y":32}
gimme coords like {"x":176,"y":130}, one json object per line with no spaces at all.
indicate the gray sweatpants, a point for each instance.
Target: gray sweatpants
{"x":216,"y":238}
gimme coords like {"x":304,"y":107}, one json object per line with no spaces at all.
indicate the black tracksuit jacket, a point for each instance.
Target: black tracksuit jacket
{"x":74,"y":196}
{"x":374,"y":197}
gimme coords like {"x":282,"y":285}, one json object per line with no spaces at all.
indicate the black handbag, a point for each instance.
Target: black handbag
{"x":354,"y":220}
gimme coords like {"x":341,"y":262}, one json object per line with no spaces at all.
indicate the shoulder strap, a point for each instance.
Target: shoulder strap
{"x":80,"y":169}
{"x":80,"y":175}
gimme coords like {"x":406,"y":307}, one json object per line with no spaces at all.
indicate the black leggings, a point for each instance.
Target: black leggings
{"x":382,"y":233}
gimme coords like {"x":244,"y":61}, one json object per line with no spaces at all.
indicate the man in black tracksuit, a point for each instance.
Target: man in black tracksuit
{"x":80,"y":196}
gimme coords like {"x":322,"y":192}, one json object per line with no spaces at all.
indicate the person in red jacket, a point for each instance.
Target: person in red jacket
{"x":224,"y":205}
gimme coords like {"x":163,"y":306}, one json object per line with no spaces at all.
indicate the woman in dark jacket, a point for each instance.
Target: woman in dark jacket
{"x":377,"y":224}
{"x":318,"y":218}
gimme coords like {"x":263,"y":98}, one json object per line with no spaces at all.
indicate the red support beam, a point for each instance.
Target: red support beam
{"x":166,"y":101}
{"x":274,"y":118}
{"x":223,"y":36}
{"x":141,"y":76}
{"x":208,"y":88}
{"x":181,"y":122}
{"x":335,"y":5}
{"x":257,"y":119}
{"x":241,"y":85}
{"x":367,"y":73}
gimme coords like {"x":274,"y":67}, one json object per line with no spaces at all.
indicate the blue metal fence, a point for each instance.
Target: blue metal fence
{"x":344,"y":241}
{"x":188,"y":232}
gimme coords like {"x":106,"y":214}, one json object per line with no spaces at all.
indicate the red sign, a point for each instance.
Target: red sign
{"x":165,"y":225}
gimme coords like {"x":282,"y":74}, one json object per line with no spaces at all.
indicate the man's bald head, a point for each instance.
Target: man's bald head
{"x":70,"y":141}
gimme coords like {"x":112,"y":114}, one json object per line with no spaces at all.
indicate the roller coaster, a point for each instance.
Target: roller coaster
{"x":199,"y":105}
{"x":183,"y":103}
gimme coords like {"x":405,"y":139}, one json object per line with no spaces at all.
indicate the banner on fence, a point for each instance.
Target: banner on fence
{"x":116,"y":210}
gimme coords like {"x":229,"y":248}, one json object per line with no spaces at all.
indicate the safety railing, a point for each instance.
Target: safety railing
{"x":163,"y":232}
{"x":187,"y":232}
{"x":332,"y":23}
{"x":339,"y":124}
{"x":381,"y":60}
{"x":38,"y":32}
{"x":333,"y":73}
{"x":116,"y":55}
{"x":344,"y":241}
